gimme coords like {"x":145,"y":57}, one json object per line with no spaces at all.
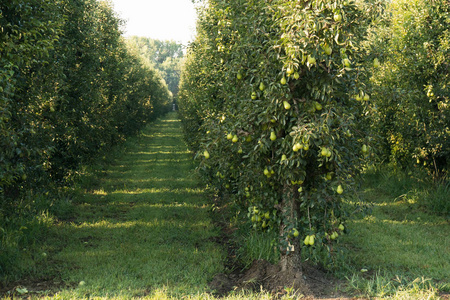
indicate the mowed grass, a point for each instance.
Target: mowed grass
{"x":398,"y":245}
{"x":143,"y":230}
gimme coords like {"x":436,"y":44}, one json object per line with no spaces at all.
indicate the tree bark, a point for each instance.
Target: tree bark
{"x":290,"y":262}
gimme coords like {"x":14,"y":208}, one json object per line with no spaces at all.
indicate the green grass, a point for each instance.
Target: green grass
{"x":399,"y":246}
{"x":384,"y":286}
{"x":256,"y":245}
{"x":143,"y":229}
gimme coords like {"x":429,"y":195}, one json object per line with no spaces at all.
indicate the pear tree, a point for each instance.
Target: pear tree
{"x":269,"y":91}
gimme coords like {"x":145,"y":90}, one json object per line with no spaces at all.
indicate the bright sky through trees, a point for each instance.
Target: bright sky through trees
{"x":158,"y":19}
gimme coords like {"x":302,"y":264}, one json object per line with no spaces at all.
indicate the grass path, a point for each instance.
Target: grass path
{"x":144,"y":230}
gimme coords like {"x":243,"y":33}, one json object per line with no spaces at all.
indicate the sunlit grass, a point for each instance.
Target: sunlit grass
{"x":385,"y":286}
{"x":142,"y":228}
{"x":398,"y":239}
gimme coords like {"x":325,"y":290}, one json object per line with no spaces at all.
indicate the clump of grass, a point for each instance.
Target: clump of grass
{"x":437,"y":199}
{"x":429,"y":194}
{"x":257,"y":245}
{"x":385,"y":285}
{"x":22,"y":237}
{"x":393,"y":182}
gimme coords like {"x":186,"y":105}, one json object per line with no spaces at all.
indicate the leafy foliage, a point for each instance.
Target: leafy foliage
{"x":411,"y":108}
{"x":69,"y":90}
{"x":269,"y":101}
{"x":164,"y":56}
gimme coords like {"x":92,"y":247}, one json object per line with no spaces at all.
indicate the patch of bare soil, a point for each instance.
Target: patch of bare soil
{"x":445,"y":296}
{"x":26,"y":287}
{"x":262,"y":274}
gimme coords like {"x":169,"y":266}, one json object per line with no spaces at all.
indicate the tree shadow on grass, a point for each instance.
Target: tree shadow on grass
{"x":145,"y":226}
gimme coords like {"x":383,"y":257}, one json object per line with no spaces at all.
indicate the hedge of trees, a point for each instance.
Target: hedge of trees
{"x":272,"y":103}
{"x":284,"y":102}
{"x":69,"y":89}
{"x":410,"y":111}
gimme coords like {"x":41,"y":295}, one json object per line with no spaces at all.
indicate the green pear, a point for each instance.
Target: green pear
{"x":346,"y":62}
{"x":337,"y":17}
{"x":273,"y":136}
{"x":318,"y":106}
{"x":286,"y":105}
{"x":306,"y":241}
{"x":376,"y":63}
{"x":364,"y":149}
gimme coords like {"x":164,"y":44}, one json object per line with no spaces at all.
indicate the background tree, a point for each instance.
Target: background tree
{"x":410,"y":83}
{"x":69,"y":91}
{"x":165,"y":56}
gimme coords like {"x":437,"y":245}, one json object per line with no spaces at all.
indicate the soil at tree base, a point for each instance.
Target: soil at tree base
{"x":317,"y":284}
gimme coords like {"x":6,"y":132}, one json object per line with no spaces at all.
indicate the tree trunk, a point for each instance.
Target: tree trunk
{"x":290,"y":262}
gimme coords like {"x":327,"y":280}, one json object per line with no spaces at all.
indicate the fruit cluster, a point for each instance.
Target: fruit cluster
{"x":262,"y":220}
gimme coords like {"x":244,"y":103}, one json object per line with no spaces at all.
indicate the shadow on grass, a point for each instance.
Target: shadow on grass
{"x":399,"y":236}
{"x":145,"y":226}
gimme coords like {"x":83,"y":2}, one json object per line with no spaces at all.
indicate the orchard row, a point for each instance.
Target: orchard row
{"x":281,"y":100}
{"x":69,"y":90}
{"x":268,"y":102}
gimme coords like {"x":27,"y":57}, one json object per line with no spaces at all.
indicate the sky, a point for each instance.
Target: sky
{"x":158,"y":19}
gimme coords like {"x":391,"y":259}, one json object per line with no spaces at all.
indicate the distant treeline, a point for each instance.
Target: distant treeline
{"x":165,"y":56}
